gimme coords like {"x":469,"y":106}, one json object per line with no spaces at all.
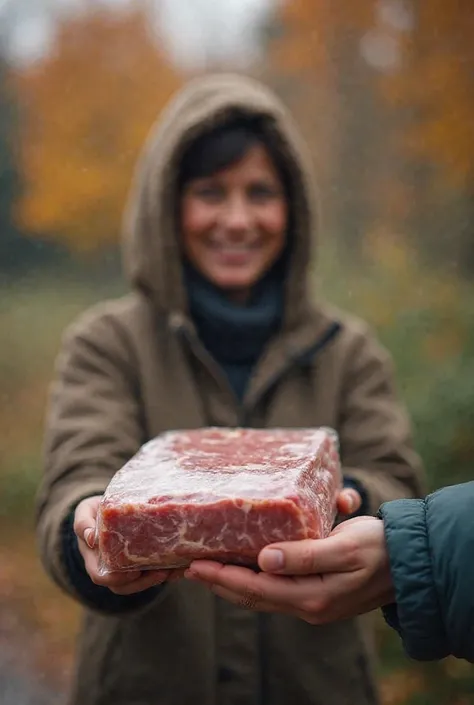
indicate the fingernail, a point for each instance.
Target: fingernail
{"x":89,"y":537}
{"x":273,"y":559}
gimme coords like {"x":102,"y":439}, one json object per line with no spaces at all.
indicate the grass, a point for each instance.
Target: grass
{"x":32,"y":320}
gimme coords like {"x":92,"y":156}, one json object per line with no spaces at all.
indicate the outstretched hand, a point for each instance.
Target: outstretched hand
{"x":121,"y":583}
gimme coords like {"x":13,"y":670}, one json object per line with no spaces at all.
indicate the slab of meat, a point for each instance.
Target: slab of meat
{"x":218,"y":493}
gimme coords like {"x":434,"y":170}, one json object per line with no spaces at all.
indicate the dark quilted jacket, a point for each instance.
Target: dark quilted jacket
{"x":431,"y":547}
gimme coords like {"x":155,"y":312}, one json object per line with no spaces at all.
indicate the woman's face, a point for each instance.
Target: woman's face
{"x":234,"y":222}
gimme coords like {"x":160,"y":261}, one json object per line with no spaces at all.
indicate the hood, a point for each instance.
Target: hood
{"x":151,"y":246}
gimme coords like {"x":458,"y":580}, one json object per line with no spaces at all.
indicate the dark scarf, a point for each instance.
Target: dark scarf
{"x":235,"y":334}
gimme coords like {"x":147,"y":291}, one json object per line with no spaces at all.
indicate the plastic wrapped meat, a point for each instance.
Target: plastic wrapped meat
{"x":218,"y":493}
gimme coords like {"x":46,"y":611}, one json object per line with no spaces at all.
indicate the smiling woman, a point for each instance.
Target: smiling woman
{"x":220,"y":329}
{"x":234,"y":207}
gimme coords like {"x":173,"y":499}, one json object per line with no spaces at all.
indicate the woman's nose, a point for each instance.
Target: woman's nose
{"x":237,"y":214}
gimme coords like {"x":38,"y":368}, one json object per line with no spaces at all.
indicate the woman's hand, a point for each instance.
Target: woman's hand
{"x":318,"y":581}
{"x":121,"y":583}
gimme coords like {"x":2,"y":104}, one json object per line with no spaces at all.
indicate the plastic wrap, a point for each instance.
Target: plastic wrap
{"x":220,"y":494}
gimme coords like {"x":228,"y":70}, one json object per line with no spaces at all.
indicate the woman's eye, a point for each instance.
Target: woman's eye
{"x":262,"y":193}
{"x":209,"y":193}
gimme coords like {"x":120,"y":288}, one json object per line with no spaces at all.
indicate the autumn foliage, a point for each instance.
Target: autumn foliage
{"x":87,"y":110}
{"x":436,"y":85}
{"x":384,"y":91}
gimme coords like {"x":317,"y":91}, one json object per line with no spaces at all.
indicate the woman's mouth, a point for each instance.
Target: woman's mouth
{"x":234,"y":253}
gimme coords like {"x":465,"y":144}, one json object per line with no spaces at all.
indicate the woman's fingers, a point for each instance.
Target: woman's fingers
{"x":120,"y":582}
{"x":85,"y":520}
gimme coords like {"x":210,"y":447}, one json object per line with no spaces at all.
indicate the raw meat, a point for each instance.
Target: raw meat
{"x":218,"y":493}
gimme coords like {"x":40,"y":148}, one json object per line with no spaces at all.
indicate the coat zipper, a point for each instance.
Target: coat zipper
{"x":302,"y":358}
{"x":244,"y":416}
{"x":262,"y":618}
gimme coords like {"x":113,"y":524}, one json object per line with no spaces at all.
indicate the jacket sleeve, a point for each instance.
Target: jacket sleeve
{"x":374,"y":431}
{"x":92,"y":428}
{"x":431,"y":547}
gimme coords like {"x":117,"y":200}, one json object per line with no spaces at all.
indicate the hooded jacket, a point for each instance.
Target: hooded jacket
{"x":132,"y":368}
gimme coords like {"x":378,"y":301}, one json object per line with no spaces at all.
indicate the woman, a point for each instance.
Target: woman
{"x":219,"y":330}
{"x":414,"y":560}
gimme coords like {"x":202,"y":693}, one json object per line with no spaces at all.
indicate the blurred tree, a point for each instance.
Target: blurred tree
{"x":10,"y":241}
{"x":298,"y":65}
{"x":433,"y":96}
{"x":89,"y":106}
{"x":17,"y":250}
{"x":314,"y":60}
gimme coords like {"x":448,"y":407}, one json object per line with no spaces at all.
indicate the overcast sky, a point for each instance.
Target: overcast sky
{"x":193,"y":29}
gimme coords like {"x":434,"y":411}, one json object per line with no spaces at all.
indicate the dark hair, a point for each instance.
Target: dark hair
{"x":227,"y":144}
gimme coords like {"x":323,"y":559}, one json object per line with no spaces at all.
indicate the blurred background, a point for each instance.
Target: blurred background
{"x":384,"y":92}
